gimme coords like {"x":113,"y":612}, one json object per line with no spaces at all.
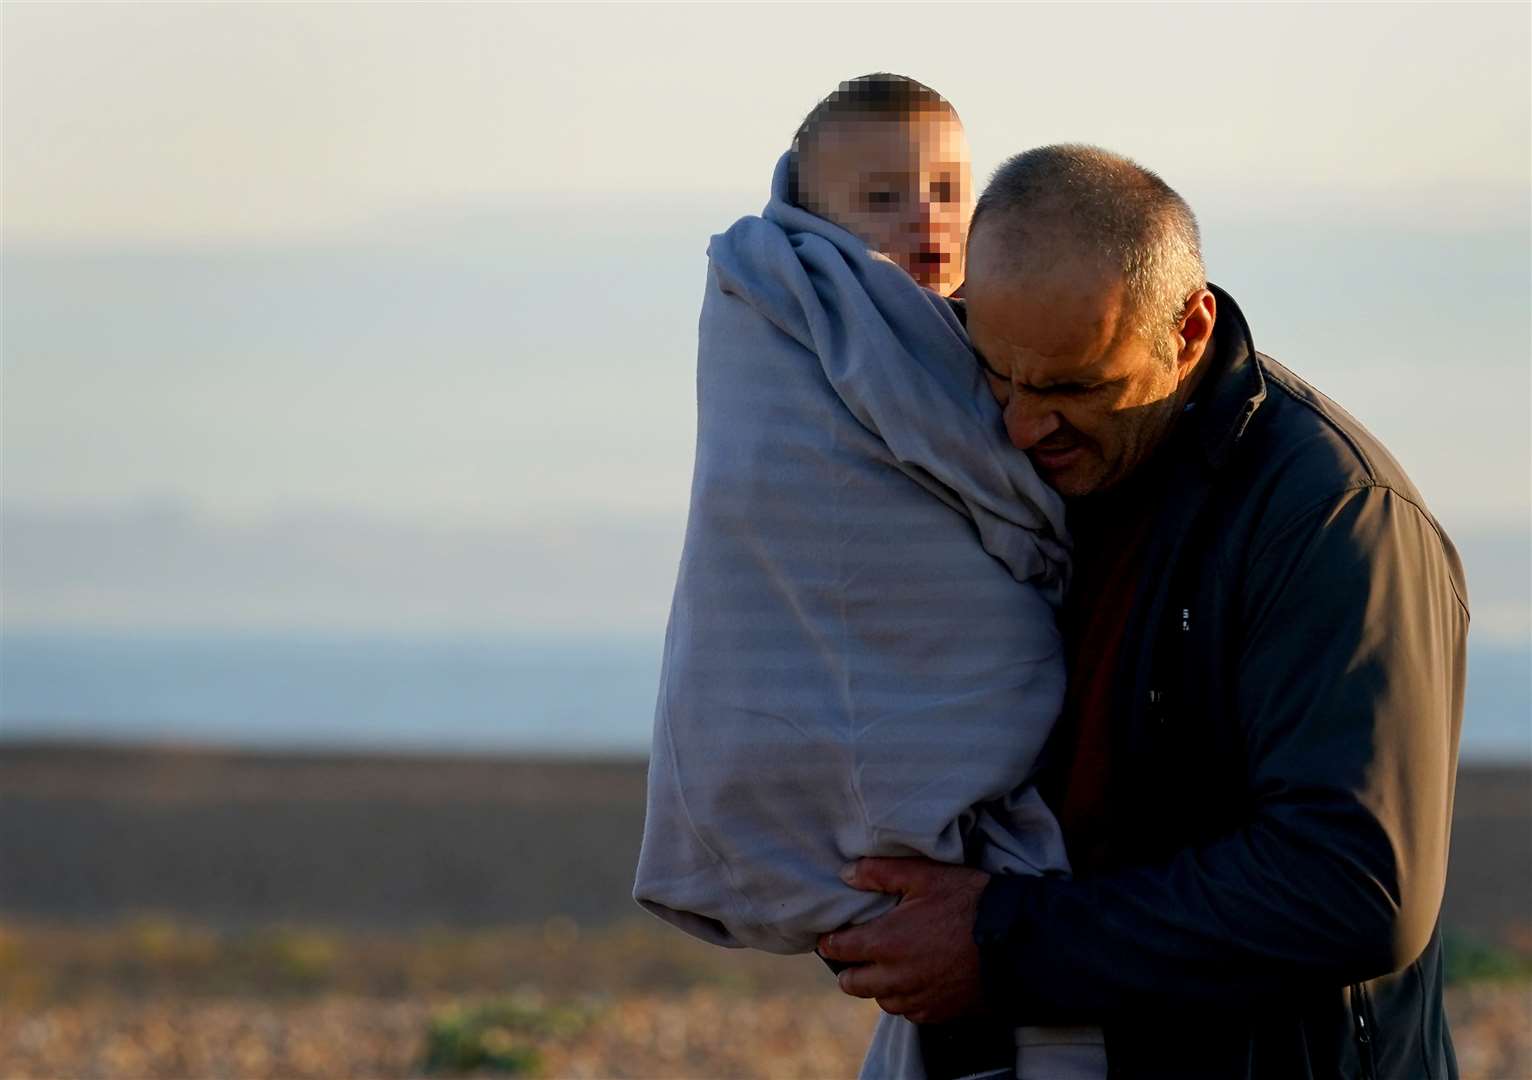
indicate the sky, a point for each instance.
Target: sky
{"x":190,"y":123}
{"x":280,"y":275}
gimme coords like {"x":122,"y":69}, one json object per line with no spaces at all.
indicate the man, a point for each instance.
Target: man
{"x":1255,"y":767}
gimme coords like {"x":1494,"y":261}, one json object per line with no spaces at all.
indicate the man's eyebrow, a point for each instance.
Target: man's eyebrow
{"x":1067,"y":386}
{"x":1061,"y":386}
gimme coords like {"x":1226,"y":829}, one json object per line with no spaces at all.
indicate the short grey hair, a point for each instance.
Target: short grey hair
{"x":1130,"y":216}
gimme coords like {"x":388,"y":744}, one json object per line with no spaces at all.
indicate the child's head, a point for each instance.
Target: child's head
{"x":886,"y":159}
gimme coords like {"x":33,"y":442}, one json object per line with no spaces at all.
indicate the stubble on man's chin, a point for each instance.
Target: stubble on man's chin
{"x":1142,"y":447}
{"x":1152,"y":438}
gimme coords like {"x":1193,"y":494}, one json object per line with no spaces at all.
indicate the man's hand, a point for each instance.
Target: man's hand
{"x":919,"y":960}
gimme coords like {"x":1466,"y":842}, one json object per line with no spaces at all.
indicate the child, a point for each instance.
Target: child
{"x":862,"y":656}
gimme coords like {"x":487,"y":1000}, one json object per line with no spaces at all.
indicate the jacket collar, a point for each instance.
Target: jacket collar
{"x":1233,"y":388}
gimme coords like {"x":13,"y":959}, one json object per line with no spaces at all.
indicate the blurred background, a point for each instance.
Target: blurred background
{"x":348,"y":413}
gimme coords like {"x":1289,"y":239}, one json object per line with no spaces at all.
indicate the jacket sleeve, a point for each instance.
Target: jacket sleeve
{"x":1349,"y":692}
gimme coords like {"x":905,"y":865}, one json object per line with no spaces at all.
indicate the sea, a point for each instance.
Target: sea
{"x":573,"y":696}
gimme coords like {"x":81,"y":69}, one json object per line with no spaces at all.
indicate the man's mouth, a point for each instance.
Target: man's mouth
{"x":933,"y":257}
{"x":1055,"y":457}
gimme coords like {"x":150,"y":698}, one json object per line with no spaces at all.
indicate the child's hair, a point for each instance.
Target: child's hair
{"x":879,"y":96}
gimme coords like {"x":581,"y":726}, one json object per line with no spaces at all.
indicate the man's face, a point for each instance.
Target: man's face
{"x":1083,"y":393}
{"x":903,"y":187}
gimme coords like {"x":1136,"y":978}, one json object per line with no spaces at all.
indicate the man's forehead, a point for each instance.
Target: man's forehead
{"x":1062,"y":352}
{"x":1057,"y":310}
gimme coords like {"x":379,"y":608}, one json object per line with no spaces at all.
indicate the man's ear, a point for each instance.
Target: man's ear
{"x":1195,"y":331}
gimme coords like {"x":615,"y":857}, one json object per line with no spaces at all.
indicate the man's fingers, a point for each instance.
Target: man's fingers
{"x":903,"y":877}
{"x":873,"y":981}
{"x":854,"y":945}
{"x":857,"y":981}
{"x":899,"y":1005}
{"x":898,"y":876}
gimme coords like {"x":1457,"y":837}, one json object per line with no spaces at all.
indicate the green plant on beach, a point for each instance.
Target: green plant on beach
{"x":498,"y":1035}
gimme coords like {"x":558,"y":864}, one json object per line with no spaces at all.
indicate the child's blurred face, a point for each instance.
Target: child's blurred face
{"x":904,"y":187}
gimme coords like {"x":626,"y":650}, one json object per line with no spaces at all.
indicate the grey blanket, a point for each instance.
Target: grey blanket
{"x":862,"y":656}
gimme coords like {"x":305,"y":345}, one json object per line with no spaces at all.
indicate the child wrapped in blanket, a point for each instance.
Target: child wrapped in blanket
{"x":862,"y":657}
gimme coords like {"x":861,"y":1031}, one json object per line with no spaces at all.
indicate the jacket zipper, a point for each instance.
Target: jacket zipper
{"x":1363,"y":1030}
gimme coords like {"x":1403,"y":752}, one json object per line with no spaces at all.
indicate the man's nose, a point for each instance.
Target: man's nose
{"x":1027,"y":426}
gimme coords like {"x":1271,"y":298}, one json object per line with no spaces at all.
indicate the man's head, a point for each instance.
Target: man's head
{"x":1087,"y":303}
{"x":886,"y":159}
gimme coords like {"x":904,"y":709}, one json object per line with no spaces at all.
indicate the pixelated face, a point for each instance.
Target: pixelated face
{"x":1082,"y":391}
{"x":902,"y":186}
